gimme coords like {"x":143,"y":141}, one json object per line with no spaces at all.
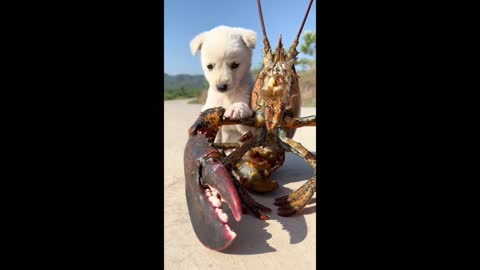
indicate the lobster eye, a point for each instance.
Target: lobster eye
{"x":235,"y":65}
{"x":210,"y":66}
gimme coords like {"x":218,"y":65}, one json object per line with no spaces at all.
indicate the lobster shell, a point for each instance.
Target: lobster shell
{"x":296,"y":101}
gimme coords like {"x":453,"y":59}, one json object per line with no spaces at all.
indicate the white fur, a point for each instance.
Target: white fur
{"x":221,"y":47}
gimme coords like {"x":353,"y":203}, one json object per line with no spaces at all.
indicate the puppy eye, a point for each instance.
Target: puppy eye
{"x":210,"y":67}
{"x":234,"y":65}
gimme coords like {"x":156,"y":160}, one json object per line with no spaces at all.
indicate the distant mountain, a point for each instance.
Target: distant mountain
{"x":177,"y":82}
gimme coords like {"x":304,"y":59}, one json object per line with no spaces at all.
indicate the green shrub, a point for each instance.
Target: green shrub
{"x":182,"y":93}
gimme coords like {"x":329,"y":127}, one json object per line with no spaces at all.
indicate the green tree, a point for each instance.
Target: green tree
{"x":309,"y":47}
{"x":309,"y":43}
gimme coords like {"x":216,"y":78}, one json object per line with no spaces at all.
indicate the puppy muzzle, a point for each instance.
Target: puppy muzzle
{"x":222,"y":88}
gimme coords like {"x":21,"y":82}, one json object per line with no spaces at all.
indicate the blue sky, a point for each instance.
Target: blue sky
{"x":184,"y":19}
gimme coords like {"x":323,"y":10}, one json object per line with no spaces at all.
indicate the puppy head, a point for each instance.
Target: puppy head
{"x":226,"y":55}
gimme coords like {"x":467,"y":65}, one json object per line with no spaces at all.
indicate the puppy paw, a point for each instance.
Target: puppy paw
{"x":238,"y":110}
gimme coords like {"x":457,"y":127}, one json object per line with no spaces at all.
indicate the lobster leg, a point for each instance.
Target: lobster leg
{"x":245,"y":139}
{"x":307,"y":121}
{"x":257,"y":209}
{"x":232,"y":161}
{"x":297,"y":200}
{"x":227,"y":145}
{"x":211,"y":119}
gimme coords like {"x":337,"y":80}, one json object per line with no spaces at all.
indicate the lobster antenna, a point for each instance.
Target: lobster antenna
{"x":265,"y":38}
{"x":303,"y":23}
{"x":261,"y":17}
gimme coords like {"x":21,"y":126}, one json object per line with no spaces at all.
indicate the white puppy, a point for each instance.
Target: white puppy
{"x":226,"y":57}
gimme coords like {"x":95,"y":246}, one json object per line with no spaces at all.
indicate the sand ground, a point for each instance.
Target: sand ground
{"x":278,"y":243}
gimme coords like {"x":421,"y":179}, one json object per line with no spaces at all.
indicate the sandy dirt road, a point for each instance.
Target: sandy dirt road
{"x":278,"y":243}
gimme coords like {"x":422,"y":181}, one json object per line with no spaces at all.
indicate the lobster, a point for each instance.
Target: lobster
{"x":212,"y":176}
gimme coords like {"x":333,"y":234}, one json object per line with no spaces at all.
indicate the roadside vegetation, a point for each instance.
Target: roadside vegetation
{"x":181,"y":93}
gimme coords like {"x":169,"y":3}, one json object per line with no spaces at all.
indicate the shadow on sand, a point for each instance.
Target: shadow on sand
{"x":251,"y":232}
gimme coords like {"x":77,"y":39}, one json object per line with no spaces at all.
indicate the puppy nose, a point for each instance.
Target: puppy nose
{"x":222,"y":88}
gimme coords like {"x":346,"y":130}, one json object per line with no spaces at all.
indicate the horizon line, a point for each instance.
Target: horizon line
{"x":182,"y":74}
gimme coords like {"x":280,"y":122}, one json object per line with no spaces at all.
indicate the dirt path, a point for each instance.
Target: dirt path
{"x":278,"y":243}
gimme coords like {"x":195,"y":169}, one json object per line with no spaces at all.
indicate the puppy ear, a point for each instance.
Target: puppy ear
{"x":196,"y":43}
{"x":249,"y":37}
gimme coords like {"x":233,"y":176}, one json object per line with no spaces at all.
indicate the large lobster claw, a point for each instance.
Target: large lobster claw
{"x":207,"y":182}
